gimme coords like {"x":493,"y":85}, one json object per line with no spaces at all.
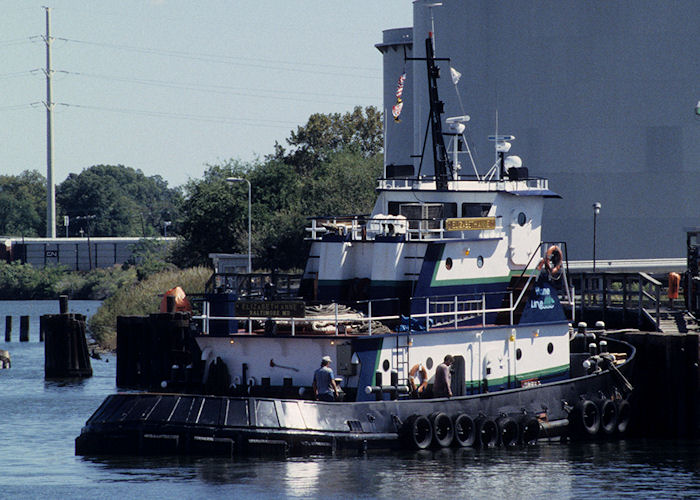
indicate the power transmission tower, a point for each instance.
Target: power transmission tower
{"x":50,"y":186}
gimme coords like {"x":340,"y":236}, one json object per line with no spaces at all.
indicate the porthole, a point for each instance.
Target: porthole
{"x":479,"y":262}
{"x":522,"y":218}
{"x":448,"y":263}
{"x":429,"y":363}
{"x":550,"y":348}
{"x":385,"y":365}
{"x":518,"y":353}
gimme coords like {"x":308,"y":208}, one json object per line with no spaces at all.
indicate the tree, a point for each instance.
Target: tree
{"x":123,"y":200}
{"x":213,"y":219}
{"x":23,"y":204}
{"x":331,"y":170}
{"x":359,"y":131}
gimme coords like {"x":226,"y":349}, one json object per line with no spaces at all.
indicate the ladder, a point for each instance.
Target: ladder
{"x":399,"y":358}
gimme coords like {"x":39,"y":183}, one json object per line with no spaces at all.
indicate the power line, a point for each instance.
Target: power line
{"x":233,"y":60}
{"x":220,"y":89}
{"x":16,"y":41}
{"x":186,"y":116}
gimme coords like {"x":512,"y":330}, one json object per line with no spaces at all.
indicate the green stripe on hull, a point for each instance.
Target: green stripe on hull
{"x":520,"y":377}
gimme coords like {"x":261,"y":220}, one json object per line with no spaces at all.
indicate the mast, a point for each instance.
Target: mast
{"x":437,"y":107}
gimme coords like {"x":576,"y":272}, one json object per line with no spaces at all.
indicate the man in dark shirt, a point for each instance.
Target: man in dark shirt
{"x":325,"y":388}
{"x":443,"y":379}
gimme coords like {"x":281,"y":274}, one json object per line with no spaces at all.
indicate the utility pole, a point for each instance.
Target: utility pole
{"x":50,"y":186}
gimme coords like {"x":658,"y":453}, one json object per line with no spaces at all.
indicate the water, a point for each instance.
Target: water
{"x":39,"y":421}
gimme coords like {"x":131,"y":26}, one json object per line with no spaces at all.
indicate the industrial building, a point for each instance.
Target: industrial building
{"x":77,"y":254}
{"x":601,"y":98}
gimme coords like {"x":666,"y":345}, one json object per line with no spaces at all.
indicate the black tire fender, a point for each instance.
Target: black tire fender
{"x":608,"y":416}
{"x":464,"y":430}
{"x":443,"y":430}
{"x":508,"y":431}
{"x":417,"y":432}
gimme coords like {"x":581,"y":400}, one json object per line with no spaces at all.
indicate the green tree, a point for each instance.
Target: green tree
{"x":123,"y":200}
{"x":213,"y":219}
{"x":23,"y":204}
{"x":330,"y":170}
{"x":358,"y":131}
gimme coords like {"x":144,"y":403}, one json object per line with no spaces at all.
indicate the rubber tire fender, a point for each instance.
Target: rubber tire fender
{"x":464,"y":430}
{"x":624,"y":416}
{"x":608,"y":416}
{"x":529,"y":430}
{"x":443,"y":430}
{"x":487,"y":432}
{"x":508,"y":431}
{"x":417,"y":432}
{"x":587,"y":417}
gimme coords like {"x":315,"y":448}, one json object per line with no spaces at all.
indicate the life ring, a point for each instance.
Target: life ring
{"x":553,"y":260}
{"x":418,"y":378}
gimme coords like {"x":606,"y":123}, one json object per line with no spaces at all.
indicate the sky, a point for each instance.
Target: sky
{"x":171,"y":86}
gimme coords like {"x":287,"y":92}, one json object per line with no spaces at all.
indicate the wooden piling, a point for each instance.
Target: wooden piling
{"x":24,"y":328}
{"x":63,"y":304}
{"x":8,"y":328}
{"x":65,"y":350}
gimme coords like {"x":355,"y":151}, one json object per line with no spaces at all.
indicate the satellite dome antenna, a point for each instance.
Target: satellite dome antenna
{"x":458,"y":125}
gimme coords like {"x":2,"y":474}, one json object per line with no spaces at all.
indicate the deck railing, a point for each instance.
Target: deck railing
{"x":635,"y":295}
{"x":439,"y":312}
{"x":364,"y":228}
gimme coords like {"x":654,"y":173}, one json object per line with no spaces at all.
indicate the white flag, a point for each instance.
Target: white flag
{"x":456,"y":75}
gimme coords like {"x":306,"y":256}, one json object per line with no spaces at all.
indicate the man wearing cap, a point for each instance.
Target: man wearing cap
{"x":324,"y":385}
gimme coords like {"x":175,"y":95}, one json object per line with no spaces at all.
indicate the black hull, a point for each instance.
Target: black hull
{"x":151,"y":423}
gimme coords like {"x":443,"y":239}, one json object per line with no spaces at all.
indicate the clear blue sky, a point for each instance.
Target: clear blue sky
{"x":167,"y":86}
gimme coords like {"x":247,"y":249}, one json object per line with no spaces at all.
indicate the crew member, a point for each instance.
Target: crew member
{"x":325,"y":388}
{"x":442,"y":387}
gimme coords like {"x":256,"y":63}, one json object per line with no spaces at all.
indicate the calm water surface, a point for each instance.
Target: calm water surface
{"x":39,"y":421}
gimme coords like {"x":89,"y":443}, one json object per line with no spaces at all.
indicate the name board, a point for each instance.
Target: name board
{"x":470,"y":223}
{"x":271,"y":308}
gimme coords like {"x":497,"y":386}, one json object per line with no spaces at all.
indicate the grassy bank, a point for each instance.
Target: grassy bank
{"x":24,"y":281}
{"x":143,"y":298}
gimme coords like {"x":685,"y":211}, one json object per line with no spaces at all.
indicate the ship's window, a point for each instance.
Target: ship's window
{"x":475,"y":209}
{"x":429,"y":363}
{"x":522,"y":218}
{"x":394,"y":207}
{"x":479,"y":262}
{"x":385,"y":365}
{"x":488,"y":371}
{"x":448,"y":263}
{"x":550,"y":348}
{"x":449,"y":210}
{"x":518,"y":353}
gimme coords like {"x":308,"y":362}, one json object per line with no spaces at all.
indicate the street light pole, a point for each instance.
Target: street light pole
{"x":596,"y":211}
{"x":238,"y":179}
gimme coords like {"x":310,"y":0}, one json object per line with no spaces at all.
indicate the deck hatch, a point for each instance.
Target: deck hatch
{"x":266,"y":414}
{"x":236,"y":413}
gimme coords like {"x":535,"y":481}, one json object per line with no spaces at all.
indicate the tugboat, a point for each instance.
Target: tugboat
{"x":446,"y":266}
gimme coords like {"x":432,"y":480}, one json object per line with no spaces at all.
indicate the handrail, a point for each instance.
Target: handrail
{"x":364,"y":228}
{"x":337,"y":321}
{"x":606,"y":291}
